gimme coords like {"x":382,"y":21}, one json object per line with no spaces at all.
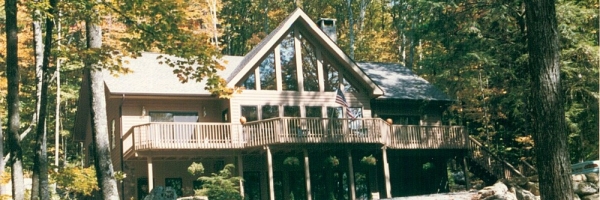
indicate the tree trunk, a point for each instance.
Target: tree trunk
{"x":350,"y":29}
{"x":102,"y":159}
{"x":39,"y":59}
{"x":550,"y":133}
{"x":40,"y":167}
{"x":363,"y":10}
{"x":212,"y":5}
{"x":12,"y":75}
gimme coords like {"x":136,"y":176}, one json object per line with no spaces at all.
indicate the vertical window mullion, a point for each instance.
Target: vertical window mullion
{"x":257,"y":79}
{"x":278,"y":68}
{"x":320,"y":75}
{"x":298,"y":51}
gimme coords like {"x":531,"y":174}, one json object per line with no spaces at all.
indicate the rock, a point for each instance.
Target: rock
{"x":485,"y":192}
{"x":534,"y":178}
{"x":591,"y":197}
{"x":160,"y":193}
{"x":520,"y":181}
{"x":499,"y":188}
{"x":458,"y":177}
{"x":510,"y":196}
{"x":579,"y":177}
{"x":479,"y":186}
{"x":494,"y":197}
{"x":592,"y":177}
{"x":534,"y":188}
{"x":524,"y":194}
{"x":505,"y":196}
{"x":585,"y":188}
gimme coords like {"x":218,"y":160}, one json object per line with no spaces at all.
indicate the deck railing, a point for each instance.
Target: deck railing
{"x":314,"y":130}
{"x":164,"y":135}
{"x":427,"y":137}
{"x":291,"y":130}
{"x":491,"y":162}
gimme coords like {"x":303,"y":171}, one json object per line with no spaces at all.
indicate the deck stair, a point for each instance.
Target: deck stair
{"x":487,"y":165}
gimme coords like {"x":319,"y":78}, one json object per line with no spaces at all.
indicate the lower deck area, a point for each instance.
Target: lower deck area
{"x":301,"y":172}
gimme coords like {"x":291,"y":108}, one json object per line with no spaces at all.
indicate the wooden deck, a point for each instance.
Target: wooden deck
{"x":288,"y":130}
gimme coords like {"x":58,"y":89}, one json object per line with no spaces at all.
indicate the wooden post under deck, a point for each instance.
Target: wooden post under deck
{"x":386,"y":173}
{"x":351,"y":176}
{"x":307,"y":176}
{"x":466,"y":173}
{"x":241,"y":174}
{"x":270,"y":171}
{"x":150,"y":174}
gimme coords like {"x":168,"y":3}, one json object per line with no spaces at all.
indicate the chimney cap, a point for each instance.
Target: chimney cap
{"x":326,"y":20}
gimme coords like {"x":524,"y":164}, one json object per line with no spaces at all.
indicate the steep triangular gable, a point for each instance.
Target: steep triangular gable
{"x":298,"y":17}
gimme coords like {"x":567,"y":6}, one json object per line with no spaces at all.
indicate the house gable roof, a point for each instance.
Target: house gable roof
{"x":150,"y":77}
{"x":387,"y":80}
{"x":298,"y":17}
{"x":399,"y":82}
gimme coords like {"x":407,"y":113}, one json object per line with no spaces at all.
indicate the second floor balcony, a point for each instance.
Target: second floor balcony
{"x":291,"y":130}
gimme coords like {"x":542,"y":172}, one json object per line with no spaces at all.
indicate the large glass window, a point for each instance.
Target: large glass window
{"x":288,"y":63}
{"x":250,"y":113}
{"x":331,"y":81}
{"x":348,"y":87}
{"x":270,"y":112}
{"x":173,"y":116}
{"x":314,"y":111}
{"x":250,"y":82}
{"x":268,"y":81}
{"x":309,"y":66}
{"x":356,"y":112}
{"x":334,"y":112}
{"x":291,"y":111}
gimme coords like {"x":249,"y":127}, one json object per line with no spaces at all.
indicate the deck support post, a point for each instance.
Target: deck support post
{"x":351,"y":176}
{"x":466,"y":173}
{"x":270,"y":172}
{"x":307,"y":175}
{"x":150,"y":174}
{"x":241,"y":173}
{"x":386,"y":173}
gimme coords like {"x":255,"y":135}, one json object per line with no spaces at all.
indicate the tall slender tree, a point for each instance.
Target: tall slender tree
{"x":102,"y":160}
{"x":550,"y":133}
{"x":12,"y":75}
{"x":38,"y":48}
{"x":40,"y":167}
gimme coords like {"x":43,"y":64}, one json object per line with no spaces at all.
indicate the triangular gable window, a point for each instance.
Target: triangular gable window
{"x":288,"y":62}
{"x":309,"y":65}
{"x":282,"y":62}
{"x":266,"y":70}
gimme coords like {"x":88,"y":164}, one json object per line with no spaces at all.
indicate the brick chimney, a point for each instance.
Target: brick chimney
{"x":327,"y":25}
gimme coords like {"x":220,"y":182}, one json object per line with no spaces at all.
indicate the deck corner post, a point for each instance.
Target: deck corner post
{"x":270,"y":173}
{"x":241,"y":173}
{"x":307,"y":175}
{"x":351,"y":176}
{"x":386,"y":172}
{"x":466,"y":172}
{"x":150,"y":174}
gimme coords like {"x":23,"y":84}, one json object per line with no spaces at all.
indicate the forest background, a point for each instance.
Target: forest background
{"x":475,"y":51}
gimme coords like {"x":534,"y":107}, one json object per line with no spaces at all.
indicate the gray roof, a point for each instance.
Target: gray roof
{"x":149,"y":77}
{"x":399,"y":82}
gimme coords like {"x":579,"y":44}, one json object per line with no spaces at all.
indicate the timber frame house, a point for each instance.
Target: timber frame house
{"x":285,"y":133}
